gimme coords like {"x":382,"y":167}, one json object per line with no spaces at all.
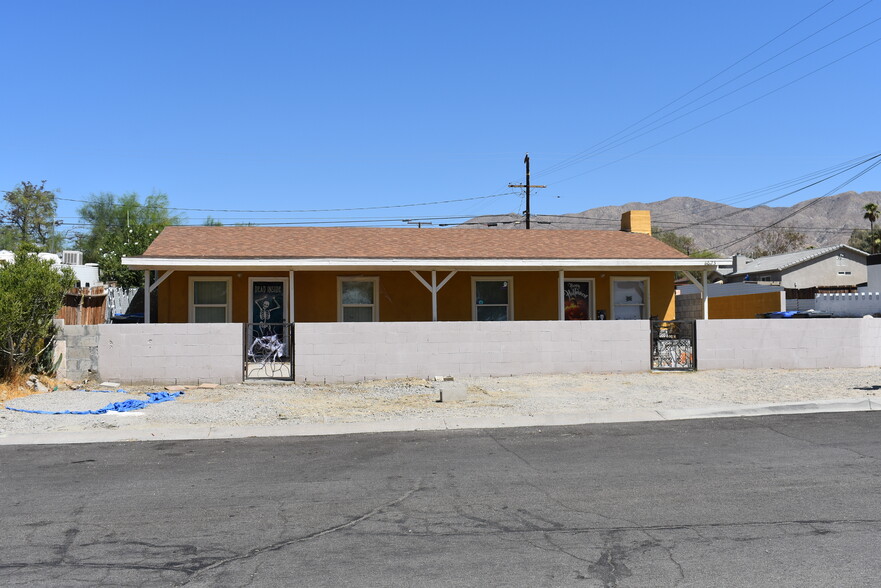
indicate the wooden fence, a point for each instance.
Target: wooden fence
{"x":84,"y":306}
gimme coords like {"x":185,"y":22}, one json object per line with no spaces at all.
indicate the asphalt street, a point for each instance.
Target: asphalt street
{"x":764,"y":501}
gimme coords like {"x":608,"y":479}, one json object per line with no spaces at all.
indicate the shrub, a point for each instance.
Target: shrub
{"x":31,"y":292}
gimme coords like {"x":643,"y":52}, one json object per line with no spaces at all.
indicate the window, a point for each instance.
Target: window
{"x":210,"y":299}
{"x":357,"y":298}
{"x":492,"y":299}
{"x":629,"y":298}
{"x":577,"y":299}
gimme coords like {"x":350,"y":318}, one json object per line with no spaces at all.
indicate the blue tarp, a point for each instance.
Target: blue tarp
{"x":122,"y":406}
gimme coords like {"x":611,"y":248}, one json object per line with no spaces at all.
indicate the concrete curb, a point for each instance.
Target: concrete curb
{"x":199,"y":432}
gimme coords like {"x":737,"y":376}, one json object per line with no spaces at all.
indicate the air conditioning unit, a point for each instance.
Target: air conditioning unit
{"x":72,"y":257}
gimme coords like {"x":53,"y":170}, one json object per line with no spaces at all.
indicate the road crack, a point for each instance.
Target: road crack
{"x":311,"y":536}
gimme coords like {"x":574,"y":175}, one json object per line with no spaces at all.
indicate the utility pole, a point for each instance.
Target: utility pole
{"x":527,"y":186}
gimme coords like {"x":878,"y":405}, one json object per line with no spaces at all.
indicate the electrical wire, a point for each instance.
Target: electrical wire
{"x":795,"y":212}
{"x":724,"y":114}
{"x":499,"y":195}
{"x":630,"y":136}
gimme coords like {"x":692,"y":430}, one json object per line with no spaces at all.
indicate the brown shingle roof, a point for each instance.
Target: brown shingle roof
{"x":403,"y":243}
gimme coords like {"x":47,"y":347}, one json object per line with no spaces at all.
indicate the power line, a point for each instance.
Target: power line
{"x":605,"y":147}
{"x":748,"y":195}
{"x":724,"y":114}
{"x":312,"y":209}
{"x":795,"y":212}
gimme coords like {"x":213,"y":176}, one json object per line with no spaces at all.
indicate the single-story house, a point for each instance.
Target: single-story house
{"x":324,"y":274}
{"x":836,"y":265}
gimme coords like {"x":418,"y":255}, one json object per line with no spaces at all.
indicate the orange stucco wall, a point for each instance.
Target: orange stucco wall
{"x":401,"y":297}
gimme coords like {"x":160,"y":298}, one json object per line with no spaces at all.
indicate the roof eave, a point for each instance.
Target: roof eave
{"x":348,"y":264}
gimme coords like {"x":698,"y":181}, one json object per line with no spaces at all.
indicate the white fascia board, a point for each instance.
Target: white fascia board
{"x":347,"y":264}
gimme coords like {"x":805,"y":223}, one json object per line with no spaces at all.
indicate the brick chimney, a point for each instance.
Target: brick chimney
{"x":637,"y":221}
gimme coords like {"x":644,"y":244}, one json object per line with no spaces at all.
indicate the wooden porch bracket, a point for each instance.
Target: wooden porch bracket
{"x":434,"y":287}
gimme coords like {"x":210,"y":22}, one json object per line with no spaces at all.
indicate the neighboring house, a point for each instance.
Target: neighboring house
{"x":837,"y":265}
{"x":86,"y":273}
{"x":342,"y":274}
{"x":86,"y":303}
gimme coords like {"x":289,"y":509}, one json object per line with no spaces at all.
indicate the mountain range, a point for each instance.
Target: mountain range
{"x":714,"y":226}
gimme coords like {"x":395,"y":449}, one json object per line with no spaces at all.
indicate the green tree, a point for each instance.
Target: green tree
{"x":682,"y":243}
{"x":871,"y":215}
{"x":29,"y":218}
{"x":777,"y":241}
{"x":864,"y":240}
{"x":212,"y":222}
{"x":121,"y":226}
{"x":31,"y":292}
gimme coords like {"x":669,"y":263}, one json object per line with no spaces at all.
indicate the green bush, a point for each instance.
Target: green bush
{"x":31,"y":292}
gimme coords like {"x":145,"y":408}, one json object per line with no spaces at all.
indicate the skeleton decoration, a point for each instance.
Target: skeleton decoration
{"x":268,"y":348}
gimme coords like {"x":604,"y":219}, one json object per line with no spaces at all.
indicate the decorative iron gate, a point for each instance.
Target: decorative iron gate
{"x":674,"y":345}
{"x":268,"y":351}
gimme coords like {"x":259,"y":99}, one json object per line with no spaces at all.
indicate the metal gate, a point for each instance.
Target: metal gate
{"x":268,"y":351}
{"x":674,"y":345}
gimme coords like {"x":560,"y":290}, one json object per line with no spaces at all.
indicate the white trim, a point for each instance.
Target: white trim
{"x":192,"y":308}
{"x":284,"y":281}
{"x":342,"y":264}
{"x":434,"y":288}
{"x":591,"y":294}
{"x":161,"y":279}
{"x":646,"y":306}
{"x":509,"y":279}
{"x":339,"y":293}
{"x":291,"y":314}
{"x":147,"y":296}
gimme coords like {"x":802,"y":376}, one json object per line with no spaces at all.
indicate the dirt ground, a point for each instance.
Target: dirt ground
{"x":264,"y":404}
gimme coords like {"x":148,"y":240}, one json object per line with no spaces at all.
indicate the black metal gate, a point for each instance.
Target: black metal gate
{"x":674,"y":345}
{"x":268,"y":351}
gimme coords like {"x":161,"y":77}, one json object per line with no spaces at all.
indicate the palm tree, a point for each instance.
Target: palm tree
{"x":871,"y":215}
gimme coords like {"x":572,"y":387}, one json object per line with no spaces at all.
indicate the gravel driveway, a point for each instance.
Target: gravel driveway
{"x":267,"y":404}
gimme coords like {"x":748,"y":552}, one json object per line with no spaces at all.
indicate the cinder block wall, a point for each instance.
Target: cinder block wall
{"x":788,"y":343}
{"x":187,"y":353}
{"x":155,"y":353}
{"x":848,"y":305}
{"x":77,"y":345}
{"x":353,"y":351}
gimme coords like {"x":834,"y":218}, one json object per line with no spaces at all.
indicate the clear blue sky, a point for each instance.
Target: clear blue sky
{"x":291,"y":105}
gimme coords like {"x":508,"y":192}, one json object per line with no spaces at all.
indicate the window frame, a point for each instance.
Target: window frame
{"x":509,"y":305}
{"x":192,"y":292}
{"x":646,"y":305}
{"x":339,"y":289}
{"x":591,"y":292}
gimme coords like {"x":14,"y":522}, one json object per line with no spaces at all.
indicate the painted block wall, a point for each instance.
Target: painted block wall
{"x":336,"y":352}
{"x":857,"y":304}
{"x":155,"y":353}
{"x":788,"y":343}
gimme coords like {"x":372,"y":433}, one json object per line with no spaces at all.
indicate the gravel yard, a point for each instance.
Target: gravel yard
{"x":266,"y":404}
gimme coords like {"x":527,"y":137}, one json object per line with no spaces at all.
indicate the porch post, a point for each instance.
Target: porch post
{"x":146,"y":296}
{"x":705,"y":296}
{"x":560,"y":297}
{"x":433,"y":295}
{"x":291,"y":296}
